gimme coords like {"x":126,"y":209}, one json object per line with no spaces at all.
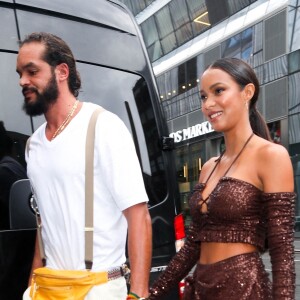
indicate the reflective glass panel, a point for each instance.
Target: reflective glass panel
{"x":169,"y":43}
{"x":164,"y":22}
{"x":294,"y":29}
{"x":196,"y":8}
{"x":179,"y":13}
{"x":258,"y":59}
{"x":198,"y":11}
{"x":236,"y":5}
{"x":135,"y":6}
{"x":257,"y":37}
{"x":294,"y":61}
{"x":171,"y":83}
{"x":247,"y":44}
{"x":183,"y":34}
{"x":259,"y":71}
{"x":294,"y":132}
{"x":275,"y":69}
{"x":191,"y":73}
{"x":149,"y":31}
{"x":11,"y":98}
{"x":181,"y":21}
{"x":117,"y":48}
{"x":155,"y":51}
{"x":232,"y":47}
{"x":96,"y":10}
{"x":294,"y":94}
{"x":160,"y":81}
{"x":8,"y":33}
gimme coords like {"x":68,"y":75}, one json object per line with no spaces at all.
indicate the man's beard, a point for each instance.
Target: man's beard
{"x":43,"y":100}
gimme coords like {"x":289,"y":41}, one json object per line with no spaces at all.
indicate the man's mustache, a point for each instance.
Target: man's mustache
{"x":29,"y":89}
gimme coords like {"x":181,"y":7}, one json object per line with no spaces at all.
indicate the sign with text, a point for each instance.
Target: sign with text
{"x":191,"y":132}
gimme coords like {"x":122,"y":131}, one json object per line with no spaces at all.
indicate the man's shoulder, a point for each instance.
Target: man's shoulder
{"x":90,"y":107}
{"x":106,"y":120}
{"x":37,"y":133}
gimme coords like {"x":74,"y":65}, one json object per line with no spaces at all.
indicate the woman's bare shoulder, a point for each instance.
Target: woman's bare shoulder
{"x":269,"y":152}
{"x":274,"y":167}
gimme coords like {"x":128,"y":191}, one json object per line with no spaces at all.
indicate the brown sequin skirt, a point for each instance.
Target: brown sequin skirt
{"x":239,"y":277}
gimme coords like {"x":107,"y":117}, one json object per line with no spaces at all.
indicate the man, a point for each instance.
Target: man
{"x":56,"y":166}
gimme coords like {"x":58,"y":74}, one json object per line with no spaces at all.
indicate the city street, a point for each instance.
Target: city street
{"x":185,"y":84}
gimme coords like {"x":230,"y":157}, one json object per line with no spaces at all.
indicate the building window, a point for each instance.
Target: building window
{"x":239,"y":46}
{"x":294,"y":62}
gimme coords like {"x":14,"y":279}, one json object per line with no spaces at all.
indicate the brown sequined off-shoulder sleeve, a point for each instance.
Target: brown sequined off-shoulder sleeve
{"x":280,"y":213}
{"x":179,"y":266}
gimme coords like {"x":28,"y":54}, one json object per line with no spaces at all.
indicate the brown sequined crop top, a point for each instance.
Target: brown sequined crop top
{"x":234,"y":214}
{"x":234,"y":210}
{"x":237,"y":211}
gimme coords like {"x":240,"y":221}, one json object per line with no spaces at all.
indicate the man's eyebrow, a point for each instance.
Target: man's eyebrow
{"x":29,"y":65}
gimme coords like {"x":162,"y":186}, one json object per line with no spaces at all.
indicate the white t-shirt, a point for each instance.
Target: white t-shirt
{"x":57,"y":173}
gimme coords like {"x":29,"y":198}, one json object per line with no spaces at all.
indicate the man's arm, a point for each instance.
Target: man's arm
{"x":139,"y":247}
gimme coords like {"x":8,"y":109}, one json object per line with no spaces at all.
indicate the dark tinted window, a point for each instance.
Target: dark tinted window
{"x":132,"y":103}
{"x":131,"y":100}
{"x":86,"y":38}
{"x":95,"y":10}
{"x":16,"y":122}
{"x":11,"y":98}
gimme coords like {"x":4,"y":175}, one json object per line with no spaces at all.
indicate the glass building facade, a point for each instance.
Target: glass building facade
{"x":179,"y":21}
{"x":184,"y":36}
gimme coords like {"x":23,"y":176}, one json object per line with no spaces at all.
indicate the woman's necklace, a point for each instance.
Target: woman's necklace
{"x":66,"y":121}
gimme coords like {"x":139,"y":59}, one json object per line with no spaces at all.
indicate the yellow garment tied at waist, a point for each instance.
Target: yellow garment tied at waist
{"x":49,"y":284}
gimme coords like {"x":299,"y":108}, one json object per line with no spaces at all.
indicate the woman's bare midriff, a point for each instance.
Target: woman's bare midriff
{"x":215,"y":252}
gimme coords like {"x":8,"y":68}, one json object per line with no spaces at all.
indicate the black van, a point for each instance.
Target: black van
{"x":116,"y":74}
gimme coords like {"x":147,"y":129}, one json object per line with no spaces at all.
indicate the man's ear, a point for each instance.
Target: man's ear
{"x":62,"y":72}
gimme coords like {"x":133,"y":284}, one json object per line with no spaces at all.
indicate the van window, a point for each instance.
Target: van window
{"x":132,"y":103}
{"x":117,"y":48}
{"x":11,"y":98}
{"x":110,"y":14}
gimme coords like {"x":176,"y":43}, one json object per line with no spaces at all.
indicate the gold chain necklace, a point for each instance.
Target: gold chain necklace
{"x":66,"y":121}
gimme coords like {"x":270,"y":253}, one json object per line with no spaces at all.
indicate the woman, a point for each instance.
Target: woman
{"x":243,"y":196}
